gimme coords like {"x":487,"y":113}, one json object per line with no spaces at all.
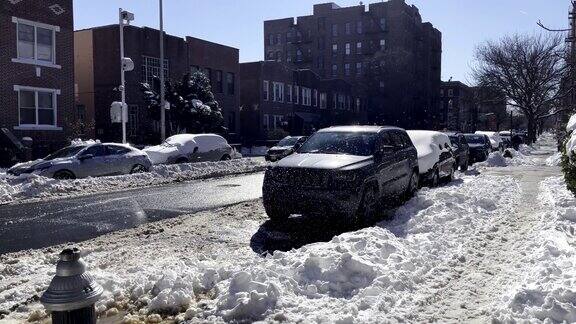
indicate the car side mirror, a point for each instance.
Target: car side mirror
{"x":85,"y":157}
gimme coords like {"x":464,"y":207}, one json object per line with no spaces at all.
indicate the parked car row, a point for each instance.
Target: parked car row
{"x":350,"y":170}
{"x":94,"y":159}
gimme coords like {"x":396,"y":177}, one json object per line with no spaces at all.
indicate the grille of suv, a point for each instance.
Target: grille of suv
{"x":303,"y":178}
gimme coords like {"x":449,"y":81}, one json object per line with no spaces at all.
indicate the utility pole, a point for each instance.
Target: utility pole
{"x":162,"y":81}
{"x":126,"y":64}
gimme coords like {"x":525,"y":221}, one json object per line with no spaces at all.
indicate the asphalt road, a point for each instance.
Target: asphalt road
{"x":42,"y":224}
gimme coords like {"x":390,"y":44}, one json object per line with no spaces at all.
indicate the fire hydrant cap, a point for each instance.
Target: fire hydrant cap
{"x":72,"y":287}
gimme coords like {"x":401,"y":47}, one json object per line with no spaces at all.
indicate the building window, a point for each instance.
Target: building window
{"x":278,"y":56}
{"x":348,"y":28}
{"x":306,"y":96}
{"x":219,"y":82}
{"x":151,"y":69}
{"x":334,"y":70}
{"x":348,"y":49}
{"x":341,"y":101}
{"x":271,"y":39}
{"x":270,"y":55}
{"x":230,"y":83}
{"x":321,"y":23}
{"x":297,"y":95}
{"x":35,"y":42}
{"x":320,"y":62}
{"x":334,"y":30}
{"x":359,"y":48}
{"x":278,"y":38}
{"x":315,"y":98}
{"x":382,"y":44}
{"x":322,"y":100}
{"x":278,"y":91}
{"x":450,"y":93}
{"x":347,"y":69}
{"x":334,"y":49}
{"x":321,"y":43}
{"x":358,"y":69}
{"x":266,"y":122}
{"x":359,"y":27}
{"x":266,"y":92}
{"x":278,"y":121}
{"x":289,"y":93}
{"x":299,"y":55}
{"x":208,"y":73}
{"x":383,"y":23}
{"x":358,"y":103}
{"x":37,"y":106}
{"x":382,"y":84}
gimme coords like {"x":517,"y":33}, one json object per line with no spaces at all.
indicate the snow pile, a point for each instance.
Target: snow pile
{"x":554,"y":160}
{"x":33,"y":186}
{"x":79,"y":141}
{"x":571,"y":126}
{"x":377,"y":274}
{"x":548,"y":292}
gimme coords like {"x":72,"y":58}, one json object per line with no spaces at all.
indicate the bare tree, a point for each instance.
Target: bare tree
{"x":528,"y":69}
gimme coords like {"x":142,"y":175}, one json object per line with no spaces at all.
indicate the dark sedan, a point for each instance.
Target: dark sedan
{"x":479,"y":146}
{"x":285,"y":147}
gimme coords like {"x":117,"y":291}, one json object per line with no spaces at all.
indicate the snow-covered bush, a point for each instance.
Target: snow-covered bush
{"x":568,"y":161}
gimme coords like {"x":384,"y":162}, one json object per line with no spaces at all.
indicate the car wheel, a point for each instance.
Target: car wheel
{"x":368,"y":206}
{"x":450,"y":178}
{"x":464,"y":167}
{"x":413,"y":185}
{"x":276,"y":214}
{"x":226,"y":157}
{"x":64,"y":175}
{"x":138,"y":168}
{"x":182,"y":160}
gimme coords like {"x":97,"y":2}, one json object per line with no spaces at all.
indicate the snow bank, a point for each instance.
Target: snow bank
{"x":554,"y":160}
{"x":377,"y":274}
{"x":571,"y":126}
{"x":30,"y":186}
{"x":548,"y":291}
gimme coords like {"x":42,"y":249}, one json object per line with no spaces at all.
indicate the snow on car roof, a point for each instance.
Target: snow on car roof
{"x":360,"y":129}
{"x":425,"y":137}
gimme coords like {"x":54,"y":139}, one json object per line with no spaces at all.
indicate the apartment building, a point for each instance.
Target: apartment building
{"x":383,"y":49}
{"x":457,"y":107}
{"x":37,"y":64}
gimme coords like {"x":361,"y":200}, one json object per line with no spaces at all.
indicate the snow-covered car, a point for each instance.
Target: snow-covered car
{"x":496,"y":142}
{"x":479,"y":146}
{"x":435,"y":158}
{"x":285,"y":147}
{"x":87,"y":160}
{"x":190,"y":148}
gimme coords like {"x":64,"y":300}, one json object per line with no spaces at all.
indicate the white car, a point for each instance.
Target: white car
{"x":495,"y":140}
{"x":435,"y":158}
{"x":189,"y":148}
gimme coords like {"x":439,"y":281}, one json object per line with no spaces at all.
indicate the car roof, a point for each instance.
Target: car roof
{"x":359,"y":129}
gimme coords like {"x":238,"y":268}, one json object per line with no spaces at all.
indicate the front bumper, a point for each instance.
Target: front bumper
{"x":310,"y":201}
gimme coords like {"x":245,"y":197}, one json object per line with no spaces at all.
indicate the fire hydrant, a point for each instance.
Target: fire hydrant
{"x":72,"y":293}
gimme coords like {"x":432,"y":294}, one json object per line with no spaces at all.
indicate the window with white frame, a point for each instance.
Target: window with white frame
{"x":347,"y":69}
{"x":37,"y":106}
{"x":315,"y":98}
{"x":297,"y":95}
{"x":348,"y":49}
{"x":289,"y":93}
{"x":266,"y":92}
{"x":278,"y":92}
{"x":334,"y":49}
{"x":359,"y":48}
{"x":382,"y":44}
{"x":306,"y":96}
{"x":323,"y":100}
{"x":151,"y":69}
{"x":35,"y":42}
{"x":358,"y":69}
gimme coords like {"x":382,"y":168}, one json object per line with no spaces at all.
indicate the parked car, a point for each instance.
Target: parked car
{"x":346,"y":170}
{"x":285,"y":147}
{"x":188,"y":148}
{"x":496,"y":142}
{"x":435,"y":158}
{"x":479,"y":146}
{"x":460,"y":150}
{"x":87,"y":160}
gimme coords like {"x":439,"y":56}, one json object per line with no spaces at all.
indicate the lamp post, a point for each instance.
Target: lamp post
{"x":162,"y":90}
{"x":126,"y":64}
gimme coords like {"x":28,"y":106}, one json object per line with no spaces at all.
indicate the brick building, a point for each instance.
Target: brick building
{"x":384,"y":50}
{"x":491,"y":109}
{"x":98,"y":76}
{"x":275,"y":96}
{"x":457,"y":107}
{"x":37,"y":64}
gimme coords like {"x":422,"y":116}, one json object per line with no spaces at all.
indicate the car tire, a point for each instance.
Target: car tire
{"x":276,"y":214}
{"x":464,"y":167}
{"x":413,"y":185}
{"x":435,"y":179}
{"x":64,"y":175}
{"x":226,"y":157}
{"x":138,"y":168}
{"x":368,"y":205}
{"x":181,"y":160}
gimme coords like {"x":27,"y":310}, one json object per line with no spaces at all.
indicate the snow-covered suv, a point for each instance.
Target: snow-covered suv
{"x":347,"y":170}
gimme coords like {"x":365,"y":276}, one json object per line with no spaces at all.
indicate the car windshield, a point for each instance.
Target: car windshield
{"x":351,"y":143}
{"x":288,"y":141}
{"x":475,"y":139}
{"x":65,"y":152}
{"x":454,"y":140}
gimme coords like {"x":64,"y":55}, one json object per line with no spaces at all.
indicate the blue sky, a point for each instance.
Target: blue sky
{"x":238,"y":23}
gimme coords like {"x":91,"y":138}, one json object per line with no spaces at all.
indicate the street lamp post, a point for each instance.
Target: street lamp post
{"x":162,"y":89}
{"x":126,"y":64}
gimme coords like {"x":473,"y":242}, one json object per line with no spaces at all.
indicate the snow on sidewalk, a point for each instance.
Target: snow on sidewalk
{"x":374,"y":275}
{"x":14,"y":189}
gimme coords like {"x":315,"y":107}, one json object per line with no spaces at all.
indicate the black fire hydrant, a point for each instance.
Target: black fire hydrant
{"x":72,"y":293}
